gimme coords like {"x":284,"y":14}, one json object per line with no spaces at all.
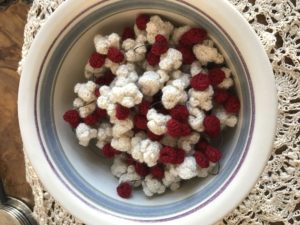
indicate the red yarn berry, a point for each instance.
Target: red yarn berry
{"x":124,"y":190}
{"x":143,"y":107}
{"x":193,"y":36}
{"x":220,"y":96}
{"x":128,"y":33}
{"x":188,"y":56}
{"x":180,"y":155}
{"x":97,"y":92}
{"x":141,"y":169}
{"x":97,"y":60}
{"x":122,"y":112}
{"x":212,"y":125}
{"x":91,"y":119}
{"x":72,"y":117}
{"x":176,"y":128}
{"x":201,"y":145}
{"x":105,"y":79}
{"x":152,"y":59}
{"x":157,"y":172}
{"x":140,"y":122}
{"x":160,"y":45}
{"x":213,"y":154}
{"x":101,"y":113}
{"x":200,"y":82}
{"x":167,"y":155}
{"x":180,"y":113}
{"x":201,"y":159}
{"x":232,"y":104}
{"x":216,"y":76}
{"x":141,"y":21}
{"x":152,"y":136}
{"x":108,"y":151}
{"x":115,"y":55}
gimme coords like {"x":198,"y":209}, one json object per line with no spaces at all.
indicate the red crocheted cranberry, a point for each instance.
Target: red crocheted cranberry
{"x":201,"y":159}
{"x":143,"y":107}
{"x":220,"y":96}
{"x":105,"y":79}
{"x":232,"y":105}
{"x":167,"y":155}
{"x":97,"y":60}
{"x":72,"y":117}
{"x":108,"y":151}
{"x":140,"y":122}
{"x":157,"y":172}
{"x":122,"y":112}
{"x":213,"y":154}
{"x":160,"y":45}
{"x":188,"y":56}
{"x":91,"y":119}
{"x":212,"y":125}
{"x":176,"y":128}
{"x":200,"y":82}
{"x":128,"y":33}
{"x":201,"y":145}
{"x":141,"y":169}
{"x":152,"y":136}
{"x":193,"y":36}
{"x":152,"y":59}
{"x":97,"y":92}
{"x":180,"y":113}
{"x":115,"y":55}
{"x":216,"y":76}
{"x":124,"y":190}
{"x":180,"y":155}
{"x":101,"y":113}
{"x":141,"y":21}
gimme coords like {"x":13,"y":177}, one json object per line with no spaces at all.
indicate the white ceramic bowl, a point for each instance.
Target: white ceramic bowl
{"x":78,"y":178}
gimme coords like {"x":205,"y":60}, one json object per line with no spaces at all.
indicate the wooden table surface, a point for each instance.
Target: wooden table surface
{"x":12,"y":170}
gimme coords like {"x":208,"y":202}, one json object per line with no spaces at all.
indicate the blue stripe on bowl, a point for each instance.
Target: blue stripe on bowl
{"x":73,"y":180}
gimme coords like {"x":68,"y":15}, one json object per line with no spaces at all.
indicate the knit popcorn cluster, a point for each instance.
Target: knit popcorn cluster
{"x":155,"y":98}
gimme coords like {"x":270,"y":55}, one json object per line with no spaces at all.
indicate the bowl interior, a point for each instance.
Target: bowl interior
{"x":85,"y":171}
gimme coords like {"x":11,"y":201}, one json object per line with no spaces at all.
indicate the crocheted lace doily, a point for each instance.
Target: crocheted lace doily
{"x":277,"y":193}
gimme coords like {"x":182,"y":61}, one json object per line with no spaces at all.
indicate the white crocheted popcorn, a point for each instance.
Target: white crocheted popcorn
{"x":157,"y":122}
{"x":125,"y":74}
{"x":134,"y":51}
{"x":119,"y":166}
{"x":123,"y":143}
{"x":196,"y":68}
{"x":85,"y":133}
{"x":121,"y":127}
{"x":171,"y":178}
{"x":103,"y":43}
{"x":187,"y":143}
{"x":206,"y":53}
{"x":226,"y":119}
{"x":146,"y":151}
{"x":196,"y":118}
{"x":86,"y":110}
{"x":90,"y":71}
{"x":178,"y":32}
{"x":128,"y":95}
{"x":174,"y":92}
{"x":201,"y":99}
{"x":171,"y":60}
{"x":163,"y":77}
{"x":78,"y":102}
{"x":86,"y":91}
{"x":104,"y":134}
{"x":157,"y":26}
{"x":152,"y":186}
{"x":104,"y":99}
{"x":228,"y":81}
{"x":168,"y":140}
{"x":131,"y":177}
{"x":149,"y":83}
{"x":111,"y":65}
{"x":142,"y":34}
{"x":188,"y":168}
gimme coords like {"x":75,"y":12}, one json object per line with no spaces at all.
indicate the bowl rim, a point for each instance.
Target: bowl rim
{"x":56,"y":187}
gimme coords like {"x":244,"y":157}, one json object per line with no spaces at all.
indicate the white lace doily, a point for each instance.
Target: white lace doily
{"x":277,"y":193}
